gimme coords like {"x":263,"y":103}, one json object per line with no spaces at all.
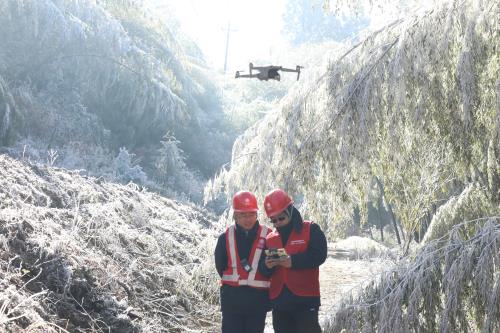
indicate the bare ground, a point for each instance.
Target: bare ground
{"x":338,"y":277}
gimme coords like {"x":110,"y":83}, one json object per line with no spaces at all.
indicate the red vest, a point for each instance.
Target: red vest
{"x":235,"y":275}
{"x":301,"y":282}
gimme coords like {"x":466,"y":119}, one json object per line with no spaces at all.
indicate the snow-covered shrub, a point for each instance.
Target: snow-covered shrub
{"x":124,"y":169}
{"x":448,"y":287}
{"x":171,"y":170}
{"x":356,"y":247}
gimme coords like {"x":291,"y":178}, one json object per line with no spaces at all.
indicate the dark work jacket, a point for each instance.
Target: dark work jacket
{"x":242,"y":299}
{"x":314,"y":256}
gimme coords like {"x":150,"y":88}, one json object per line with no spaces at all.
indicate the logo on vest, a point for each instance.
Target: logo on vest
{"x":297,"y":242}
{"x":261,"y":244}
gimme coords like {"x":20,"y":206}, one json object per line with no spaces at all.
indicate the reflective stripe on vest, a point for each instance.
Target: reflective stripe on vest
{"x":234,"y":278}
{"x":232,"y":255}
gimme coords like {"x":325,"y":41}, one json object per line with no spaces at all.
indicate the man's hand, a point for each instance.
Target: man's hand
{"x":270,"y":262}
{"x":285,"y":262}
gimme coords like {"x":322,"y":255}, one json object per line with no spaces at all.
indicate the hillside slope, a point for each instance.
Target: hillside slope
{"x":82,"y":254}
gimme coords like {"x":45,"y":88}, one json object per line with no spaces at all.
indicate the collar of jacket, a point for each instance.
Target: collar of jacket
{"x":297,"y":220}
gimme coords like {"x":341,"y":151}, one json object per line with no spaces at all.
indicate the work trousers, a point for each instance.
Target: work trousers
{"x":296,"y":321}
{"x":243,"y":323}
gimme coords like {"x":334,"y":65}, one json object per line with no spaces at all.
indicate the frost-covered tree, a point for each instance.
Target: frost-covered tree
{"x":417,"y":109}
{"x":7,"y":114}
{"x":126,"y":170}
{"x":449,"y":286}
{"x":170,"y":161}
{"x":106,"y":74}
{"x":172,"y":172}
{"x":308,"y":21}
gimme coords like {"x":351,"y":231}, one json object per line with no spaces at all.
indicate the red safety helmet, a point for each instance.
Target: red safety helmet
{"x":276,"y":202}
{"x":245,"y":201}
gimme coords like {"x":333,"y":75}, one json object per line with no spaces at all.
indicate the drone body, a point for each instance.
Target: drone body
{"x":267,"y":72}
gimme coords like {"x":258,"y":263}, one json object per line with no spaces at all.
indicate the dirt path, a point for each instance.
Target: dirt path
{"x":337,"y":277}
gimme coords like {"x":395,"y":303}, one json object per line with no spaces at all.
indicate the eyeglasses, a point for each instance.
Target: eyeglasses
{"x":280,"y":218}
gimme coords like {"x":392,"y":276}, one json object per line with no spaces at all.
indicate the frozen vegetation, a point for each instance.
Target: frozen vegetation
{"x":406,"y":116}
{"x":80,"y":254}
{"x":451,"y":285}
{"x":82,"y":80}
{"x":108,"y":114}
{"x":406,"y":123}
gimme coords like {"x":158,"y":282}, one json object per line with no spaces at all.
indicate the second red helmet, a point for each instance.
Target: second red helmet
{"x":244,"y":201}
{"x":276,"y":202}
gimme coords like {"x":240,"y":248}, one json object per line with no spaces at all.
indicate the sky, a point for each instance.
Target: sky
{"x":255,"y":28}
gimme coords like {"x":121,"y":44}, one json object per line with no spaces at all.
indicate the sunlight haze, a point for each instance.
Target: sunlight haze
{"x":255,"y":28}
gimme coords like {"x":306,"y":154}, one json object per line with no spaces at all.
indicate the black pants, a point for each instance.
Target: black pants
{"x":296,"y":321}
{"x":243,"y":323}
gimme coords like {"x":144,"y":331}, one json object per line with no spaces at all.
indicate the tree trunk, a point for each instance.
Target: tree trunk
{"x":380,"y":224}
{"x":401,"y":228}
{"x":395,"y":225}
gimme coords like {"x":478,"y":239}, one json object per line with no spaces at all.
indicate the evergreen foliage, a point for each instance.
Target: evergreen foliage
{"x":125,"y":171}
{"x":171,"y":169}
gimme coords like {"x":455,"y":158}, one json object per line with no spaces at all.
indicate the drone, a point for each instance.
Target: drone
{"x":268,"y":72}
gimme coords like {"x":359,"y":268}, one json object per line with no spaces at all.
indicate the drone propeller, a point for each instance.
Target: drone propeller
{"x":298,"y":71}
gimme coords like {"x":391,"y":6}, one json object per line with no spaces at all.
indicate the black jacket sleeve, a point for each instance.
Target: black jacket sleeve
{"x":221,"y":254}
{"x":316,"y":251}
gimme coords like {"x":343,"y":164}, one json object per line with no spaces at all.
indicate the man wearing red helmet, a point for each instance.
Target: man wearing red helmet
{"x":238,"y":254}
{"x":294,"y":290}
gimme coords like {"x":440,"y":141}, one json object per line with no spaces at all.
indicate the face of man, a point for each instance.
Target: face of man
{"x":245,"y":220}
{"x":281,"y":220}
